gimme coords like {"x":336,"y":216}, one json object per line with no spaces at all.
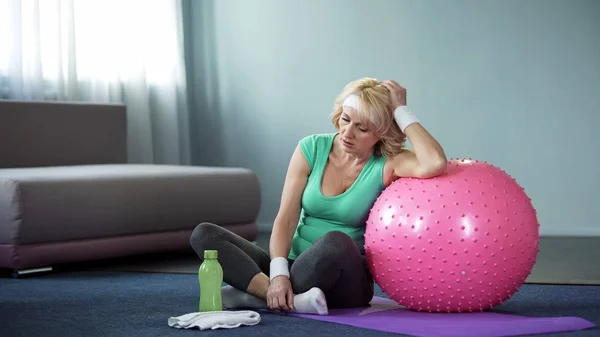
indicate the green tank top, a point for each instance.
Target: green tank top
{"x":347,"y":212}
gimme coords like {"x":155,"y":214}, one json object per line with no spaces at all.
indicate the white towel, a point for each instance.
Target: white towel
{"x":215,"y":320}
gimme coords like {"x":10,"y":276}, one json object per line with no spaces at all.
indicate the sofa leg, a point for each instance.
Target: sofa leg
{"x":24,"y":272}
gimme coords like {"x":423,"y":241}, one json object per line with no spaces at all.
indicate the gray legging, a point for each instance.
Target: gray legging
{"x":333,"y":263}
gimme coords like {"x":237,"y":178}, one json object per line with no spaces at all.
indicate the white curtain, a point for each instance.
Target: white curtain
{"x":124,"y":51}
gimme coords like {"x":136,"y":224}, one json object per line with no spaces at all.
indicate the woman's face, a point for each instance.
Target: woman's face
{"x":357,"y":136}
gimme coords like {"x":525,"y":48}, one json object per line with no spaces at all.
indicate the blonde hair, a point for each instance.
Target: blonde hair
{"x":374,"y":97}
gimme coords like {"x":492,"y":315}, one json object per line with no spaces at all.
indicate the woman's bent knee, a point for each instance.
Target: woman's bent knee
{"x":336,"y":236}
{"x":340,"y":242}
{"x":202,"y":235}
{"x":336,"y":248}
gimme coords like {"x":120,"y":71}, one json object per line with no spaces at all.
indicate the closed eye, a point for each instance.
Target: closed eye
{"x":347,"y":120}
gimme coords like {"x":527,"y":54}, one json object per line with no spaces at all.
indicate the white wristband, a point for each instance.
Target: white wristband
{"x":279,"y":266}
{"x":404,"y":117}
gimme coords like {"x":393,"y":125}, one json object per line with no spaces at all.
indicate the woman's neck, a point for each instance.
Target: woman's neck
{"x":354,"y":159}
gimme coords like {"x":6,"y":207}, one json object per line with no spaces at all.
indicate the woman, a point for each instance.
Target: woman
{"x":316,"y":258}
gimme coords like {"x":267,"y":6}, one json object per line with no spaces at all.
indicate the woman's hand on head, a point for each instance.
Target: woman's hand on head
{"x":280,"y":296}
{"x":397,"y":93}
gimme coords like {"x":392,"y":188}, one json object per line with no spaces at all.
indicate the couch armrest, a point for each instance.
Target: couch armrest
{"x":61,"y":133}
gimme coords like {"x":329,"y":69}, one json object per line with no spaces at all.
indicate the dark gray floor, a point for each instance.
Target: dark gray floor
{"x":107,"y":303}
{"x":97,"y":299}
{"x":567,"y":260}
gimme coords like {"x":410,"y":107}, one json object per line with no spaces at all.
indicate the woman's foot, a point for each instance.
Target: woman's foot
{"x":310,"y":302}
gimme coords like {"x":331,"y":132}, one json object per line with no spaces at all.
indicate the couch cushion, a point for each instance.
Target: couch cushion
{"x":51,"y":204}
{"x":48,"y":133}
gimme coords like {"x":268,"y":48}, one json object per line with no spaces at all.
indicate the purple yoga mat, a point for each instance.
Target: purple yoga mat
{"x":386,"y":315}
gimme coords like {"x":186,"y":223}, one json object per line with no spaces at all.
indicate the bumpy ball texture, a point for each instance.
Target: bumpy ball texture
{"x":461,"y":242}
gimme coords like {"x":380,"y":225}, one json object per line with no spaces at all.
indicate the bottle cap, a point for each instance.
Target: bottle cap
{"x":211,"y":254}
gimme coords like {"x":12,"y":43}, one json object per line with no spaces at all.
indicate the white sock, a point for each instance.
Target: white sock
{"x":310,"y":302}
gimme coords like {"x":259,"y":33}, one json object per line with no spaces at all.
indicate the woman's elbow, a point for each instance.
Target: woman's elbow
{"x":434,"y":169}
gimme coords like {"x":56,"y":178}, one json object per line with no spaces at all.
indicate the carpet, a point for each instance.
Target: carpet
{"x":104,"y":303}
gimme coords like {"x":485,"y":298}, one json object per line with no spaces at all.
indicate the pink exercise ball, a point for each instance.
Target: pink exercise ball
{"x":461,"y":242}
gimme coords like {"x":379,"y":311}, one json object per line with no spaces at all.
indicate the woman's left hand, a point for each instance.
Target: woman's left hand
{"x":397,"y":93}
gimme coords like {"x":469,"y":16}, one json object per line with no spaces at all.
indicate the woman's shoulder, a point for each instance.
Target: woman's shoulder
{"x":317,"y":141}
{"x":318,"y":137}
{"x":315,"y":145}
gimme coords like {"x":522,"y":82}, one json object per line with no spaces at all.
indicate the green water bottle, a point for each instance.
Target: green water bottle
{"x":210,"y":277}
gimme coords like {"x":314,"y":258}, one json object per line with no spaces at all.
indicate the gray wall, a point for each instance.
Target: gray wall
{"x":512,"y":82}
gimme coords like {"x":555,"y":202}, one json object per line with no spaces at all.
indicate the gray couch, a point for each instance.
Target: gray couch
{"x":67,"y":193}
